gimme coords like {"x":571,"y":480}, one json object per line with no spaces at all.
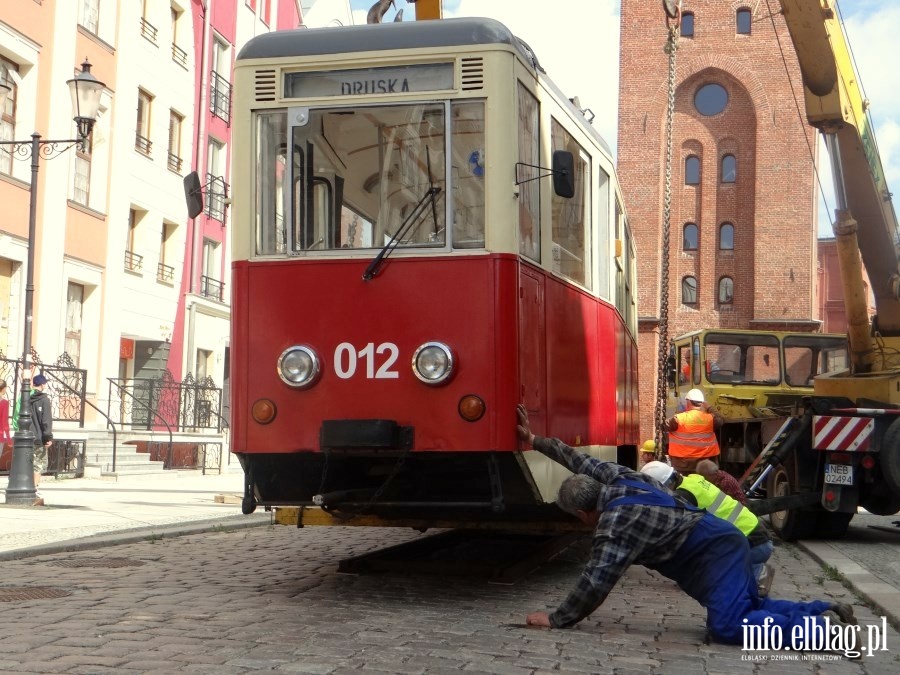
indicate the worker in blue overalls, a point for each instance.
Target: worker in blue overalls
{"x":637,"y":522}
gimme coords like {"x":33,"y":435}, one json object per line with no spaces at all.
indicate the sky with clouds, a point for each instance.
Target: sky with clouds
{"x":582,"y":58}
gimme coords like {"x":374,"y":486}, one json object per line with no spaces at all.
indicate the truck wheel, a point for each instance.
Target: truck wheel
{"x":832,"y":525}
{"x":890,"y":457}
{"x":880,"y":504}
{"x":791,"y":524}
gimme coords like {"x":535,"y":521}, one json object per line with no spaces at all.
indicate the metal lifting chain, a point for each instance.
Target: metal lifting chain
{"x":661,"y":375}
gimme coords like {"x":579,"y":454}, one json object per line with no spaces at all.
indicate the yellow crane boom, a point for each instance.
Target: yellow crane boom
{"x":865,"y":222}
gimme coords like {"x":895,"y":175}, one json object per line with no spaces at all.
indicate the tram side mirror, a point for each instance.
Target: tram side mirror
{"x":193,"y":194}
{"x":670,"y":371}
{"x":564,"y":173}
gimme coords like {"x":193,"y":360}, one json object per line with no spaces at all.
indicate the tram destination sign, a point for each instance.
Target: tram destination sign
{"x":370,"y":81}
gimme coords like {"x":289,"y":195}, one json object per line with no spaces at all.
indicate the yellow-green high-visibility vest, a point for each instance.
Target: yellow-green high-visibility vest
{"x":719,"y":504}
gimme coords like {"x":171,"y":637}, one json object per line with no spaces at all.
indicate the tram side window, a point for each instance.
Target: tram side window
{"x":603,"y":235}
{"x":571,"y":218}
{"x":271,"y":168}
{"x":529,"y":191}
{"x":467,"y":145}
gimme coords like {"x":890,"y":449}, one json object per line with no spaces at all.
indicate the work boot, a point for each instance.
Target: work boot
{"x":845,"y":612}
{"x":765,"y":580}
{"x":38,"y":502}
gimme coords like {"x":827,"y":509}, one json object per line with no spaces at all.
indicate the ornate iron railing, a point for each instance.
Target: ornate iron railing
{"x":212,"y":288}
{"x":216,"y":193}
{"x":142,"y":145}
{"x":148,"y":30}
{"x":153,"y":403}
{"x":175,"y":163}
{"x":179,"y":56}
{"x":66,"y":385}
{"x":165,"y":273}
{"x":220,"y":97}
{"x":134,"y":262}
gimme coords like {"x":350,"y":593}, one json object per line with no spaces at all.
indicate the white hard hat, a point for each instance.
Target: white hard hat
{"x":695,"y":395}
{"x":658,"y":470}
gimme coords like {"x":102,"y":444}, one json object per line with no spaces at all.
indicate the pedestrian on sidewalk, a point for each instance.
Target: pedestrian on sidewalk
{"x":699,"y":492}
{"x":5,"y":437}
{"x":637,"y":522}
{"x":42,"y":426}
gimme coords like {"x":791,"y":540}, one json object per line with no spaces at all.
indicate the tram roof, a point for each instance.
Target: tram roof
{"x":399,"y":35}
{"x":384,"y":36}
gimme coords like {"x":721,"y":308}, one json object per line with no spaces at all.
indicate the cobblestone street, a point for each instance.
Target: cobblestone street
{"x":270,"y":598}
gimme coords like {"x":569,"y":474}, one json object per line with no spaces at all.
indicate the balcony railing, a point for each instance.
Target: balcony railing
{"x":216,"y":192}
{"x":134,"y":262}
{"x":148,"y":30}
{"x":143,"y":145}
{"x":220,"y":97}
{"x":212,"y":288}
{"x":174,"y":163}
{"x":179,"y":56}
{"x":165,"y":273}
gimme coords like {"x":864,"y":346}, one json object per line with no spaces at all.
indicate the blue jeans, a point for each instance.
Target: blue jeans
{"x":759,"y":554}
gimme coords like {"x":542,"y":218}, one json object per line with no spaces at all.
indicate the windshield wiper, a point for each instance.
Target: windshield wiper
{"x":372,"y":270}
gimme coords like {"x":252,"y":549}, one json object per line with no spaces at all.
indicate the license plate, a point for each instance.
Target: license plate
{"x":839,"y":474}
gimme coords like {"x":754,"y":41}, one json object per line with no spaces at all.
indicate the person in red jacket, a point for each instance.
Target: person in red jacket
{"x":5,"y":437}
{"x":692,"y":433}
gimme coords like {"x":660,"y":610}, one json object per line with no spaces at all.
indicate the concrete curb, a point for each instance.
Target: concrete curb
{"x":880,"y":595}
{"x":131,"y":536}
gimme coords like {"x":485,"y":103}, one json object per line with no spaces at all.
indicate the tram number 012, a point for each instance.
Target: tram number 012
{"x":347,"y":360}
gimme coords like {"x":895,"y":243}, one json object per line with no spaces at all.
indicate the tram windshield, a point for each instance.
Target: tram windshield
{"x":355,"y":175}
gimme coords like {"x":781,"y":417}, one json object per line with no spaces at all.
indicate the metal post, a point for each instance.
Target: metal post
{"x":20,"y":490}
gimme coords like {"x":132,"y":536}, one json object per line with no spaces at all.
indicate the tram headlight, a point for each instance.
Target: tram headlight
{"x":298,"y":366}
{"x":433,"y":363}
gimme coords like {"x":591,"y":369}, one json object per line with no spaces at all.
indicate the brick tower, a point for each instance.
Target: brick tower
{"x":743,"y":231}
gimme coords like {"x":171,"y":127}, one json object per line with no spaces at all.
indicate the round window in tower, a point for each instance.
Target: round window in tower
{"x":711,"y":99}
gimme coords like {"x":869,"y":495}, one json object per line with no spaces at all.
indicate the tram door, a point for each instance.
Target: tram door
{"x":532,"y":348}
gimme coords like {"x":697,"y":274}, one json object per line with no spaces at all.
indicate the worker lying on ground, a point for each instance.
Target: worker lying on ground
{"x":692,"y":433}
{"x":722,"y":480}
{"x":698,"y":491}
{"x":637,"y":522}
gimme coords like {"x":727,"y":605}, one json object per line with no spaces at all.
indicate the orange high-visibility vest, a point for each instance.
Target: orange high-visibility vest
{"x":695,"y":435}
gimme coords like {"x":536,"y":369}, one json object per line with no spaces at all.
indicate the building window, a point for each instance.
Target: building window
{"x":179,"y":56}
{"x":687,"y":24}
{"x":711,"y":99}
{"x":133,"y":261}
{"x":267,"y":12}
{"x":74,"y":307}
{"x":692,"y":170}
{"x":689,"y":291}
{"x":82,"y":191}
{"x":175,"y":122}
{"x":220,"y":87}
{"x":148,"y":30}
{"x":729,"y":169}
{"x":90,"y":15}
{"x":166,"y":273}
{"x":142,"y":138}
{"x":726,"y":237}
{"x":8,"y":114}
{"x":726,"y":291}
{"x":743,"y":21}
{"x":210,"y":286}
{"x":691,"y":237}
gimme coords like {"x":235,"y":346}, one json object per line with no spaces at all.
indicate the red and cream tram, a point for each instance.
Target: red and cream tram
{"x":426,"y":232}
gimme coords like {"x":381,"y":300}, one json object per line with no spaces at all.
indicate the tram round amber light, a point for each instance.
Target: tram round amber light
{"x":298,"y":366}
{"x":471,"y":408}
{"x":263,"y":411}
{"x":433,"y":363}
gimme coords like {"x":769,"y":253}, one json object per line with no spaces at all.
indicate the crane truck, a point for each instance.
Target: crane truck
{"x":838,"y":448}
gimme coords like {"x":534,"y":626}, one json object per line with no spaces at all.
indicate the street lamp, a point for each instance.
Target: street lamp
{"x":86,"y":90}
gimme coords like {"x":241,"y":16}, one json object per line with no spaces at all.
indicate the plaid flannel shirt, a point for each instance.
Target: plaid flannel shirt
{"x":625,"y":535}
